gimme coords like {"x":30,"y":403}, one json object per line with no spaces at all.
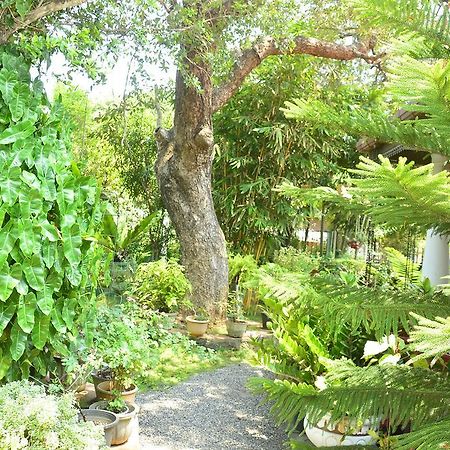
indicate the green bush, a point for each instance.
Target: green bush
{"x":123,"y":344}
{"x":161,"y":285}
{"x":49,"y":220}
{"x":32,"y":420}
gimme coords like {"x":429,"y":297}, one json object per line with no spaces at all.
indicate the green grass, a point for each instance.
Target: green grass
{"x":180,"y":360}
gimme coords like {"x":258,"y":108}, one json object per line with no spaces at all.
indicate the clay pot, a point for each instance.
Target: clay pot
{"x":99,"y":376}
{"x":104,"y":392}
{"x":125,"y":425}
{"x":108,"y":419}
{"x":236,"y":328}
{"x":196,"y":327}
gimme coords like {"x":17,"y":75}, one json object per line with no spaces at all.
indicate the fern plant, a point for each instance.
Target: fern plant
{"x":412,"y":397}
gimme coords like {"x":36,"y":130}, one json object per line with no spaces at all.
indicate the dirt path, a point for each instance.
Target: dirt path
{"x":211,"y":411}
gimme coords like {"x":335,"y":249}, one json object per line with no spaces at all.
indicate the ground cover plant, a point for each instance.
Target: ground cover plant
{"x":31,"y":419}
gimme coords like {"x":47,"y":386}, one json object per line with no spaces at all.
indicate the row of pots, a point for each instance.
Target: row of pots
{"x":197,"y":328}
{"x":118,"y":427}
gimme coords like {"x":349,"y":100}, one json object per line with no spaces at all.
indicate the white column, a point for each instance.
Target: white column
{"x":436,"y":254}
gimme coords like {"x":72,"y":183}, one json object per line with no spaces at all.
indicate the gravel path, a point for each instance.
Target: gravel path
{"x":211,"y":411}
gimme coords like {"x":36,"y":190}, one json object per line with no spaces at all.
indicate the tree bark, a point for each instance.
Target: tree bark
{"x":183,"y":170}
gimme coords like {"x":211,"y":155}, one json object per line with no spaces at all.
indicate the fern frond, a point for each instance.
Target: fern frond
{"x":429,"y":18}
{"x":375,"y":310}
{"x":433,"y":436}
{"x":402,"y":267}
{"x":393,"y":196}
{"x":403,"y":195}
{"x":374,"y":123}
{"x":343,"y":308}
{"x":430,"y":337}
{"x":397,"y":393}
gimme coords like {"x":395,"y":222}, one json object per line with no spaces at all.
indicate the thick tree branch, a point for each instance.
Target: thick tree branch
{"x":252,"y":58}
{"x":35,"y":14}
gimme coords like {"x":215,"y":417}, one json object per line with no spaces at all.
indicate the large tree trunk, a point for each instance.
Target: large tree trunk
{"x":184,"y":175}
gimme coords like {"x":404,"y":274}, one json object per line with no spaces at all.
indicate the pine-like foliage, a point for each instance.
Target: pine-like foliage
{"x":394,"y":196}
{"x":431,"y":337}
{"x":417,"y":85}
{"x":377,"y":311}
{"x":399,"y":393}
{"x":428,"y":18}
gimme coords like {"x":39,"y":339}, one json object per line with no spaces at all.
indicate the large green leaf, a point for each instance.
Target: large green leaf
{"x":57,"y":321}
{"x":10,"y":185}
{"x":7,"y":282}
{"x":7,"y":311}
{"x":25,"y":312}
{"x":19,"y":101}
{"x":35,"y":272}
{"x":8,"y":237}
{"x":72,"y":244}
{"x":69,"y":311}
{"x":27,"y":237}
{"x":18,"y":342}
{"x":49,"y":253}
{"x":74,"y":275}
{"x":41,"y":331}
{"x":45,"y":300}
{"x":7,"y":82}
{"x":5,"y":364}
{"x":30,"y":201}
{"x":49,"y":231}
{"x":19,"y":131}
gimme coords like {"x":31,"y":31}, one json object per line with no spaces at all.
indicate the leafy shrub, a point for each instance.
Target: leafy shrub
{"x":161,"y":285}
{"x":30,"y":419}
{"x":49,"y":215}
{"x":124,"y":346}
{"x":293,"y":259}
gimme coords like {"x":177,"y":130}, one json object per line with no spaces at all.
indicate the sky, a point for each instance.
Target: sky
{"x":116,"y":78}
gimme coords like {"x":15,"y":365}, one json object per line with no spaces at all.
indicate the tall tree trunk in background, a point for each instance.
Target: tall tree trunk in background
{"x":183,"y":170}
{"x":185,"y":152}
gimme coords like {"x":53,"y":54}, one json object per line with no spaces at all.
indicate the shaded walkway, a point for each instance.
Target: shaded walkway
{"x":210,"y":411}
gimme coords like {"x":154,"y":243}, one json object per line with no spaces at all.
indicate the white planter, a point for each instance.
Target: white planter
{"x":321,"y":437}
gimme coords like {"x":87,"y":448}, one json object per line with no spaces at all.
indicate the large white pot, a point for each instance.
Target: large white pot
{"x":321,"y":437}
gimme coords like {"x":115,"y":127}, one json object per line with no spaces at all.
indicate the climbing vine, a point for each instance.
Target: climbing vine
{"x":49,"y":216}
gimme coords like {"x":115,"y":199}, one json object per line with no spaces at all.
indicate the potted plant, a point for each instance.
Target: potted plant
{"x":106,"y":419}
{"x":236,"y":324}
{"x":124,"y":347}
{"x":125,"y":412}
{"x":197,"y":324}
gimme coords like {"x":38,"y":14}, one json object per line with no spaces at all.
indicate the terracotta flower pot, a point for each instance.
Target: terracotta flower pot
{"x":104,"y":392}
{"x":108,"y":419}
{"x":125,"y":425}
{"x":236,"y":328}
{"x":196,"y":327}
